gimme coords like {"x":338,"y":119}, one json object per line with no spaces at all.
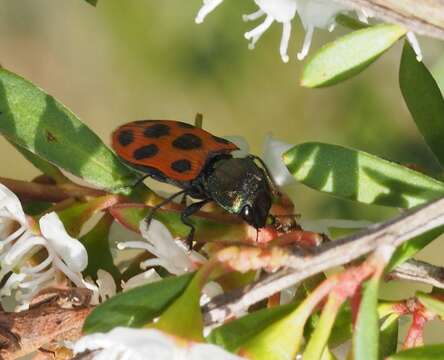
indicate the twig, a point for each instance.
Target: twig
{"x":419,"y":271}
{"x":302,"y":265}
{"x":53,"y":193}
{"x":26,"y":331}
{"x":424,"y":17}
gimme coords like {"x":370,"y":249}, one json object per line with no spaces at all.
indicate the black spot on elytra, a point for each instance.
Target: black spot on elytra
{"x":185,"y":125}
{"x":145,"y":152}
{"x":181,"y":166}
{"x":156,"y":131}
{"x":125,"y":137}
{"x":50,"y":137}
{"x":221,"y":140}
{"x":187,"y":142}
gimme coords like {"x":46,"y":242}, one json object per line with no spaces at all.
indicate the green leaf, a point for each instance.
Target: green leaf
{"x":207,"y":229}
{"x":97,"y":245}
{"x":184,"y":317}
{"x":75,"y":216}
{"x":411,"y":247}
{"x":37,"y":122}
{"x":349,"y":55}
{"x":359,"y":176}
{"x":138,"y":306}
{"x":321,"y":334}
{"x":44,"y":166}
{"x":92,"y":2}
{"x":430,"y":352}
{"x":366,"y":336}
{"x":282,"y":339}
{"x":424,"y":100}
{"x":388,"y":340}
{"x":431,"y":303}
{"x":234,"y":334}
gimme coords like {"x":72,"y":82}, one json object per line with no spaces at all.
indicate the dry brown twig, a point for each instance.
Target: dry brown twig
{"x":59,"y":316}
{"x":419,"y":271}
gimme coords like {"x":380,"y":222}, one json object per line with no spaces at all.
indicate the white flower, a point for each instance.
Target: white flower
{"x":317,"y":14}
{"x":272,"y":156}
{"x":313,"y":13}
{"x":143,"y":278}
{"x":170,"y":253}
{"x":140,"y":344}
{"x":282,"y":11}
{"x":13,"y":221}
{"x":106,"y":287}
{"x":64,"y":253}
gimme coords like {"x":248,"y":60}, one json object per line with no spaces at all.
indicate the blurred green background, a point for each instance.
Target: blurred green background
{"x":139,"y":59}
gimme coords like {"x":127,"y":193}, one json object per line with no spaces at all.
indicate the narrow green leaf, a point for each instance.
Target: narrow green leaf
{"x":424,"y":100}
{"x":37,"y":122}
{"x":430,"y":352}
{"x":138,"y":306}
{"x":349,"y":55}
{"x":366,"y":336}
{"x":388,"y":340}
{"x":97,"y":245}
{"x":183,"y":317}
{"x":411,"y":247}
{"x":207,"y":229}
{"x":235,"y":333}
{"x":431,"y":303}
{"x":319,"y":338}
{"x":359,"y":176}
{"x":44,"y":166}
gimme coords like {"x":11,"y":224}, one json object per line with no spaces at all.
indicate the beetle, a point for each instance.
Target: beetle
{"x":200,"y":164}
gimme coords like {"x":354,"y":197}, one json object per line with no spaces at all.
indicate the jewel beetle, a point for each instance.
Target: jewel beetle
{"x":200,"y":164}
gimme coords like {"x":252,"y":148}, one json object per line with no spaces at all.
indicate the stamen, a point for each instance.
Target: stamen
{"x":307,"y":43}
{"x":286,"y":32}
{"x":413,"y":41}
{"x":255,"y":34}
{"x":209,"y":6}
{"x":253,"y":16}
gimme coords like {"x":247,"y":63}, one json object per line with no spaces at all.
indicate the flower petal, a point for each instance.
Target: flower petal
{"x":272,"y":157}
{"x":165,"y":247}
{"x":144,"y":278}
{"x":69,"y":249}
{"x":11,"y":203}
{"x":138,"y":343}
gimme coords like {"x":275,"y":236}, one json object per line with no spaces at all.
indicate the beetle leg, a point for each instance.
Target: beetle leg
{"x":150,"y":215}
{"x":190,"y":210}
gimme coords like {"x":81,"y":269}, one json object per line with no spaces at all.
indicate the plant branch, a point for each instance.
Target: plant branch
{"x":53,"y":193}
{"x":59,"y":317}
{"x":419,"y":271}
{"x":424,"y":17}
{"x":303,"y":264}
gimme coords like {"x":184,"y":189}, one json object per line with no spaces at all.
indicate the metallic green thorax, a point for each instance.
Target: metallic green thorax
{"x":240,"y":186}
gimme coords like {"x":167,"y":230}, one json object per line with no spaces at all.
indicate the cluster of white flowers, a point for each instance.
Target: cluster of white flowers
{"x":140,"y":344}
{"x":314,"y":14}
{"x":19,"y":241}
{"x":169,"y":253}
